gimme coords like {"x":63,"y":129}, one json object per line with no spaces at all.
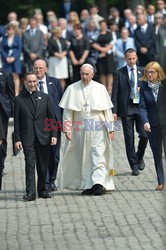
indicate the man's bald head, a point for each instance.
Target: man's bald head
{"x":40,"y":68}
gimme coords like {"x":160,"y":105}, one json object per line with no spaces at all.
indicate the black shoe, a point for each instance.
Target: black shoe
{"x":50,"y":187}
{"x":135,"y":171}
{"x":53,"y":187}
{"x":141,"y":165}
{"x":28,"y":197}
{"x":98,"y":189}
{"x":87,"y":192}
{"x":44,"y":195}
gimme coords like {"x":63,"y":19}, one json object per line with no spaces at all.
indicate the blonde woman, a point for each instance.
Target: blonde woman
{"x":153,"y":76}
{"x":57,"y":49}
{"x":11,"y":47}
{"x":73,"y":19}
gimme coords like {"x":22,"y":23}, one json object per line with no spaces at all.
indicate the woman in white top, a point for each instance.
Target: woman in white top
{"x":57,"y":49}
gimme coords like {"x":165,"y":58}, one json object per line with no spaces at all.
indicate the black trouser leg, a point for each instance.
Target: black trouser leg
{"x":54,"y":159}
{"x":143,"y":138}
{"x":1,"y":167}
{"x":30,"y":160}
{"x":156,"y":146}
{"x":42,"y":161}
{"x":3,"y":148}
{"x":163,"y":135}
{"x":128,"y":130}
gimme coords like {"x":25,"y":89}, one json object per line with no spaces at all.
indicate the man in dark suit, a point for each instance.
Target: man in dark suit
{"x":65,"y":8}
{"x":32,"y":109}
{"x":145,"y":40}
{"x":51,"y":86}
{"x":6,"y":111}
{"x":125,"y":98}
{"x":161,"y":103}
{"x":33,"y":44}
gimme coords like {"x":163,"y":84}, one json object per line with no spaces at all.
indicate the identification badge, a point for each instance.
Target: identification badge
{"x":164,"y":42}
{"x":136,"y":98}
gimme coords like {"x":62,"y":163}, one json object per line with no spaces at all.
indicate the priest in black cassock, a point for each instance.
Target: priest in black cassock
{"x":32,"y":108}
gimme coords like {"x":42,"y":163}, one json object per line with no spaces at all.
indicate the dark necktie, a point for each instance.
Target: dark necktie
{"x":132,"y":82}
{"x":124,"y":46}
{"x":40,"y":84}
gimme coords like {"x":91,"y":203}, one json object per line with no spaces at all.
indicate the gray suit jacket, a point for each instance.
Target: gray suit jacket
{"x":33,"y":44}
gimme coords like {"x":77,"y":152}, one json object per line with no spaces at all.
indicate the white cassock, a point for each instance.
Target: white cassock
{"x":88,"y":157}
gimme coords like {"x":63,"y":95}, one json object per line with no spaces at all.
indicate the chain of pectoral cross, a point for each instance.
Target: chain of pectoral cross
{"x":86,"y":100}
{"x":86,"y":106}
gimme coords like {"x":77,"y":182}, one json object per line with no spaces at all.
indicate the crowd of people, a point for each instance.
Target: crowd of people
{"x":68,"y":42}
{"x":60,"y":52}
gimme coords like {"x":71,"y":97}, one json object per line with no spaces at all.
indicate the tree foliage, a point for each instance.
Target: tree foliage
{"x":25,"y":8}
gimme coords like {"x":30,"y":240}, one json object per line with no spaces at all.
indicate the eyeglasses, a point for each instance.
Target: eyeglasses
{"x":151,"y":72}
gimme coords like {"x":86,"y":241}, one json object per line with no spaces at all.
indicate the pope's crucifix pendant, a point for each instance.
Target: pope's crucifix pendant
{"x":86,"y":106}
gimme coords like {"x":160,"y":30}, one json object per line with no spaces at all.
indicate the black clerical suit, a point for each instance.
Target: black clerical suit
{"x":161,"y":104}
{"x":6,"y":111}
{"x":130,"y":116}
{"x":31,"y":110}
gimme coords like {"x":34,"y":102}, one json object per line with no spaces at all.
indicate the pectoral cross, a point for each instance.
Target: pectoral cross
{"x":86,"y":106}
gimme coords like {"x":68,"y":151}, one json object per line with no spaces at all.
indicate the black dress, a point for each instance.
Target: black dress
{"x":105,"y":65}
{"x":78,"y":46}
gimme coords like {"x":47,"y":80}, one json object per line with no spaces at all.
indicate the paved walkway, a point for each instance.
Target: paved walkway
{"x":133,"y":217}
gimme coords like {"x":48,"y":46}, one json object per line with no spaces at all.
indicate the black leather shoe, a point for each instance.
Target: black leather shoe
{"x":98,"y":189}
{"x":141,"y":165}
{"x":44,"y":195}
{"x":48,"y":187}
{"x":87,"y":192}
{"x":53,"y":187}
{"x":29,"y":197}
{"x":135,"y":172}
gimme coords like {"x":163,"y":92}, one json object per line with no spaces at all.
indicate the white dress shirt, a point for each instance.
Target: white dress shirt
{"x":44,"y":85}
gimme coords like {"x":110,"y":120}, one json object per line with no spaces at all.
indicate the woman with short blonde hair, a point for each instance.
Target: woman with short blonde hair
{"x":156,"y":66}
{"x":153,"y":77}
{"x":57,"y":49}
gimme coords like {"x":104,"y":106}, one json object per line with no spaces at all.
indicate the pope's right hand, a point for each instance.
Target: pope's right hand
{"x":18,"y":145}
{"x":68,"y":135}
{"x":115,"y":117}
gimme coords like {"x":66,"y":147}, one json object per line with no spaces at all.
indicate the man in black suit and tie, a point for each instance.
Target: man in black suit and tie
{"x":52,"y":87}
{"x":144,"y":40}
{"x":161,"y":103}
{"x":6,"y":111}
{"x":32,"y":109}
{"x":125,"y":98}
{"x":33,"y":44}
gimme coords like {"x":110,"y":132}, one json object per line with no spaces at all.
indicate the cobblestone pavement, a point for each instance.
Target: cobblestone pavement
{"x":132,"y":217}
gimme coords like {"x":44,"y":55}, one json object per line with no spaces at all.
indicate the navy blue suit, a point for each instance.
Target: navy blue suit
{"x":55,"y":92}
{"x":6,"y":111}
{"x":15,"y":49}
{"x":161,"y":103}
{"x":149,"y":114}
{"x":146,"y":40}
{"x":2,"y":30}
{"x":130,"y":116}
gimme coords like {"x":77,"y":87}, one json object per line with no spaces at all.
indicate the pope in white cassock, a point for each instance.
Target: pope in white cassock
{"x":89,"y":129}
